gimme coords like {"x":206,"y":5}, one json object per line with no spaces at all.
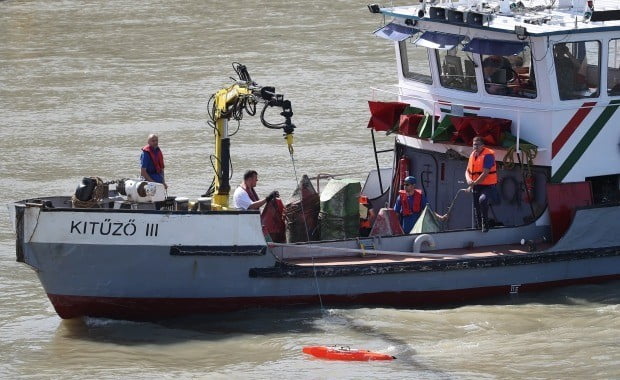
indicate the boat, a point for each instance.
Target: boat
{"x":345,"y":353}
{"x":122,"y":249}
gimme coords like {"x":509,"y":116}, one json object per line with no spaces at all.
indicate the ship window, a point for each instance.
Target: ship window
{"x":510,"y":75}
{"x":415,"y":64}
{"x":456,"y":70}
{"x":577,"y":69}
{"x":441,"y":41}
{"x":613,"y":68}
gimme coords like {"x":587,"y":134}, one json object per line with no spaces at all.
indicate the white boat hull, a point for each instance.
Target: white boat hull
{"x":181,"y":269}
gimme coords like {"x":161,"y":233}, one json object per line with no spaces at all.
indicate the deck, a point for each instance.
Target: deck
{"x":370,"y":257}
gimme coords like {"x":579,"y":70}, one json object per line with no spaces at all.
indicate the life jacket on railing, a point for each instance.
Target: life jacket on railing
{"x":407,"y":209}
{"x":366,"y":215}
{"x":475,"y":166}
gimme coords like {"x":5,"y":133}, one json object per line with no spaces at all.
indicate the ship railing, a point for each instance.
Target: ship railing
{"x":459,"y":108}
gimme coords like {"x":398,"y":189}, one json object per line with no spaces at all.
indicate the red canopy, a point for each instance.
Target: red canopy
{"x":409,"y":124}
{"x":489,"y":128}
{"x":385,"y":115}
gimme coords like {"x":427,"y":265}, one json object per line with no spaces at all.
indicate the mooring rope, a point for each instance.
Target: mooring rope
{"x":301,"y":195}
{"x":530,"y":151}
{"x":99,"y":193}
{"x":303,"y":213}
{"x":316,"y":282}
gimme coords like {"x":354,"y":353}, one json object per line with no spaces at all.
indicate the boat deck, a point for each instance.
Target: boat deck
{"x":384,"y":257}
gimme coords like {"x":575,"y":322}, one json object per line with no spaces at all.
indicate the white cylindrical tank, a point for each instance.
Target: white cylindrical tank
{"x":144,"y":192}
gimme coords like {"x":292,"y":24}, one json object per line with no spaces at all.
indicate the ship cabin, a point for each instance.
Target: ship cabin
{"x":542,"y":82}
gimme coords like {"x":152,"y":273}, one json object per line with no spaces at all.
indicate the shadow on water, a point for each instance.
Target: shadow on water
{"x":402,"y":347}
{"x":301,"y":326}
{"x":196,"y":327}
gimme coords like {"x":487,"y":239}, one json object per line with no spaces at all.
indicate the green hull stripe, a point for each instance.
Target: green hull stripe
{"x":585,"y":142}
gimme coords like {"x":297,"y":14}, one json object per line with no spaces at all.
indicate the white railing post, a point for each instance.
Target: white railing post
{"x":433,"y":120}
{"x":518,"y":130}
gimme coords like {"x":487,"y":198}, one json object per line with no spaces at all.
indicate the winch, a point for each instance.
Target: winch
{"x":141,"y":191}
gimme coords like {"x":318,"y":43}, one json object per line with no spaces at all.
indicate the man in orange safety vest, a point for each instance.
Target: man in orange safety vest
{"x":481,"y":176}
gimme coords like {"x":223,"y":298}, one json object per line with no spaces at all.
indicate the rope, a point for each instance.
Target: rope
{"x":530,"y":151}
{"x":301,"y":194}
{"x":444,"y":217}
{"x":316,"y":282}
{"x":100,"y":191}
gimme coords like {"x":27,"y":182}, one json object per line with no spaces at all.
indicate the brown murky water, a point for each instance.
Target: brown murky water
{"x":82,"y":83}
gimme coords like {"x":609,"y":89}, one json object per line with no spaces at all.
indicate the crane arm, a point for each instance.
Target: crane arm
{"x":230,"y":103}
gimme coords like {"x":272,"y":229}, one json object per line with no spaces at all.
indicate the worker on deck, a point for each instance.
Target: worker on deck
{"x":409,"y":204}
{"x":152,"y":161}
{"x":245,"y":197}
{"x":481,"y":176}
{"x":367,"y":216}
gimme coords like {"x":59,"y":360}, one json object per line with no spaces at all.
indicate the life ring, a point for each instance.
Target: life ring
{"x":345,"y":353}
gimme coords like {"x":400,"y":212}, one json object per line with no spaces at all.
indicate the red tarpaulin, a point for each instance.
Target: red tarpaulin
{"x":489,"y":128}
{"x":384,"y":116}
{"x":273,"y":221}
{"x":409,"y":124}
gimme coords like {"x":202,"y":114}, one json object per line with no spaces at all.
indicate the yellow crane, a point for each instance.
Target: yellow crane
{"x":231,"y":103}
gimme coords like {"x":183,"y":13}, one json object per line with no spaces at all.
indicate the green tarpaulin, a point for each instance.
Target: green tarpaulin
{"x":427,"y":222}
{"x":339,"y":215}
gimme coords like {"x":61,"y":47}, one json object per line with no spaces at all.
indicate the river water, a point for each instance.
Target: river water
{"x":82,"y":83}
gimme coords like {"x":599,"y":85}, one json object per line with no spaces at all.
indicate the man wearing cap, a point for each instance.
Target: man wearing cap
{"x":409,"y":204}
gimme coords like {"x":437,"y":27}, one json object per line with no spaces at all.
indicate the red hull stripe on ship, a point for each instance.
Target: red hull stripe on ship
{"x":155,"y":308}
{"x":571,"y":127}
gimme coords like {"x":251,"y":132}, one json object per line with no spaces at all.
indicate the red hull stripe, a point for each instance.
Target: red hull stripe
{"x":570,"y":128}
{"x":155,"y":308}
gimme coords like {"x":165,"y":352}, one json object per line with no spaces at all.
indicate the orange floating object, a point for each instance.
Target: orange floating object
{"x":344,"y":353}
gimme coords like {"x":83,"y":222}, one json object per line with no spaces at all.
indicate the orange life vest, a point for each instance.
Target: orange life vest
{"x":475,"y":166}
{"x":405,"y":210}
{"x":365,"y":223}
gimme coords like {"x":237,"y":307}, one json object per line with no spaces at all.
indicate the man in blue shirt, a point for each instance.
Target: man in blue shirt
{"x":409,"y":204}
{"x":152,"y":161}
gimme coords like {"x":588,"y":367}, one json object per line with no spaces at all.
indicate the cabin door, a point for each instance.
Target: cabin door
{"x":451,"y":179}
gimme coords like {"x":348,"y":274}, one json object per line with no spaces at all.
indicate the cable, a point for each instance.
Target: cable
{"x":316,"y":282}
{"x":268,"y":124}
{"x":301,"y":195}
{"x":242,"y":72}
